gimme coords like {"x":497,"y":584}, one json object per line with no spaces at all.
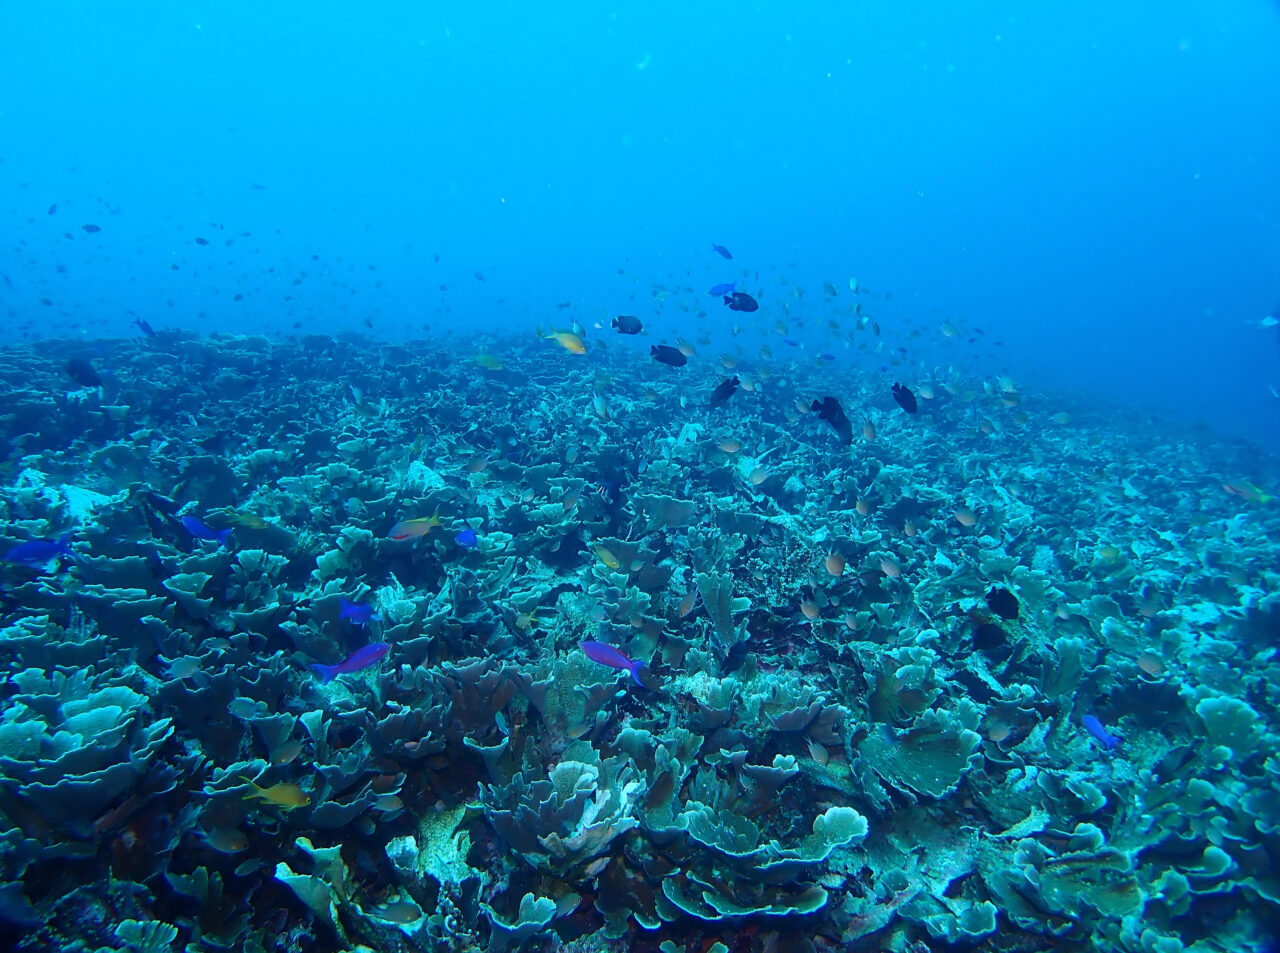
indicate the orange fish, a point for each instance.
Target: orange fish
{"x":286,"y":796}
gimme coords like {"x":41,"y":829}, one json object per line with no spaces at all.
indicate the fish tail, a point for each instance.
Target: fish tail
{"x":727,"y":299}
{"x":636,"y":669}
{"x":224,"y":538}
{"x":326,"y":672}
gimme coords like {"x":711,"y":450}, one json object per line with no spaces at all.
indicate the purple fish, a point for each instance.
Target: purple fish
{"x":200,"y":530}
{"x":608,"y":655}
{"x":1099,"y":731}
{"x":357,"y":661}
{"x":37,"y":553}
{"x":467,"y":538}
{"x":357,"y":612}
{"x":718,"y":290}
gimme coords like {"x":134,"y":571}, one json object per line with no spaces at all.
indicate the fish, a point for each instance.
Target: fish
{"x":606,"y":556}
{"x":143,"y":326}
{"x":608,"y":655}
{"x":488,"y":362}
{"x":413,"y":528}
{"x":988,"y":637}
{"x":721,"y":251}
{"x":53,"y":209}
{"x":224,"y":840}
{"x":906,"y":400}
{"x":724,"y":391}
{"x":627,"y":324}
{"x":829,"y":409}
{"x":467,"y":538}
{"x":719,"y":291}
{"x":83,"y":373}
{"x":741,"y":301}
{"x":1099,"y":731}
{"x":1003,"y":603}
{"x":665,"y":354}
{"x":286,"y":796}
{"x":1248,"y":491}
{"x":91,"y":228}
{"x":571,"y":342}
{"x":38,"y":553}
{"x":201,"y":241}
{"x":201,"y":530}
{"x":357,"y":661}
{"x":358,"y":613}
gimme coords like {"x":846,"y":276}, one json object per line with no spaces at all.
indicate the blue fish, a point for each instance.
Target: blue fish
{"x":721,"y":251}
{"x":200,"y":530}
{"x":357,"y":612}
{"x":38,"y":553}
{"x":467,"y":538}
{"x":1099,"y":731}
{"x":718,"y":290}
{"x":145,"y":327}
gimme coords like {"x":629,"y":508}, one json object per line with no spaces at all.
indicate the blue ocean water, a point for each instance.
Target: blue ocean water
{"x":1094,"y":185}
{"x":365,"y":583}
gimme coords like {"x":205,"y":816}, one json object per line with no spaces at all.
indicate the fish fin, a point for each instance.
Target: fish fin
{"x":728,"y":299}
{"x":326,"y":672}
{"x":636,"y":669}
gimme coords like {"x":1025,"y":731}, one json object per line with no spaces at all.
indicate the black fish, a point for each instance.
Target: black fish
{"x":201,"y":241}
{"x":988,"y":637}
{"x":724,"y":391}
{"x":145,"y":327}
{"x":665,"y":354}
{"x":906,"y":400}
{"x":91,"y":228}
{"x":721,"y":251}
{"x":82,"y":372}
{"x":1003,"y":603}
{"x":829,"y":409}
{"x":627,"y":324}
{"x":741,"y":301}
{"x":53,"y":209}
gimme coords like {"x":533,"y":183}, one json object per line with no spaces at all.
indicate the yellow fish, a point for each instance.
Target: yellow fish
{"x":569,"y":341}
{"x":411,"y":529}
{"x":246,"y":519}
{"x":286,"y":796}
{"x":489,"y":362}
{"x":608,"y":558}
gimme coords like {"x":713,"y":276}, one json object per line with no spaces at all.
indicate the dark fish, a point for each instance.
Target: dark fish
{"x":665,"y":354}
{"x":741,"y":301}
{"x":358,"y":661}
{"x":144,"y":327}
{"x":53,"y":209}
{"x":988,"y":637}
{"x":37,"y":553}
{"x":721,"y":251}
{"x":91,"y":228}
{"x":1003,"y":603}
{"x":1093,"y":724}
{"x":606,"y":654}
{"x":724,"y":391}
{"x":627,"y":324}
{"x":717,"y":291}
{"x":201,"y":530}
{"x":829,"y":409}
{"x":82,"y":372}
{"x":202,"y":241}
{"x":357,"y":612}
{"x":479,"y":276}
{"x":906,"y":400}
